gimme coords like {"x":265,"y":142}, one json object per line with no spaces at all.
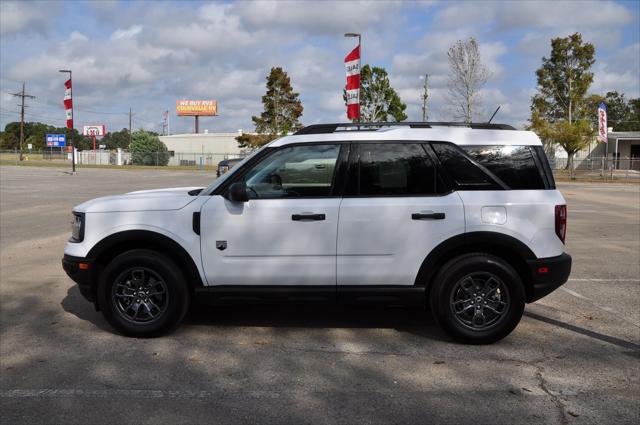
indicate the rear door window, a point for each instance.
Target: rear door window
{"x":514,"y":165}
{"x":390,"y":169}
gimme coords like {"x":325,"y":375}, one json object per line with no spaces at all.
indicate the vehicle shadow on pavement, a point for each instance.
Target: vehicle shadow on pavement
{"x":75,"y":304}
{"x":411,"y":320}
{"x":404,"y":319}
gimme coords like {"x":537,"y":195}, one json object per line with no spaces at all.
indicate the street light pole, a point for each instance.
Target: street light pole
{"x":73,"y":145}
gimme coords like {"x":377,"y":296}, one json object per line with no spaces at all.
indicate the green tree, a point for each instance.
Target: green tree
{"x":9,"y":140}
{"x":379,"y":102}
{"x":564,"y":78}
{"x":282,"y":106}
{"x":634,"y":116}
{"x":622,"y":115}
{"x":559,"y":111}
{"x":35,"y":133}
{"x":116,"y":139}
{"x":254,"y":141}
{"x":147,"y":149}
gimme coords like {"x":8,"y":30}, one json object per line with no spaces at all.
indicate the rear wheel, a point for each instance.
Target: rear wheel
{"x":477,"y":298}
{"x":143,"y":293}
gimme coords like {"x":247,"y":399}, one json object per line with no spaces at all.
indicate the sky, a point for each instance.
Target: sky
{"x":145,"y":55}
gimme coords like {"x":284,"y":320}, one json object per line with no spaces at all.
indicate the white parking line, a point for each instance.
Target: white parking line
{"x":575,"y":294}
{"x":602,"y":280}
{"x":599,"y":306}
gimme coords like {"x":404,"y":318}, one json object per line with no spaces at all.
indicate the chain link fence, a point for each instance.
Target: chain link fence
{"x":597,"y":168}
{"x":586,"y":169}
{"x":119,"y":158}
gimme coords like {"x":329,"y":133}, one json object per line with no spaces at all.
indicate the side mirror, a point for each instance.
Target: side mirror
{"x":238,"y":192}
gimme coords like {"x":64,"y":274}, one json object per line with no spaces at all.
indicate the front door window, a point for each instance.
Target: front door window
{"x":294,"y":172}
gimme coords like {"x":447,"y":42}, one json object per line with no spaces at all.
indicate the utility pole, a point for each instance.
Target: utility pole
{"x":424,"y":97}
{"x":129,"y":128}
{"x":22,"y":95}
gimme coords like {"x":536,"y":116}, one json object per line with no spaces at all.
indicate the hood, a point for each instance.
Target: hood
{"x":142,"y":200}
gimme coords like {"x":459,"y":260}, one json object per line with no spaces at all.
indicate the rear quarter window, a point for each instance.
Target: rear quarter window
{"x":514,"y":165}
{"x":465,"y":174}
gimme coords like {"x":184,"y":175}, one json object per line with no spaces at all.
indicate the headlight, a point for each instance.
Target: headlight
{"x":77,"y":227}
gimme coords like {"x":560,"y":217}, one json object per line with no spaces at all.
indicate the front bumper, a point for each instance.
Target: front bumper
{"x":81,"y":271}
{"x":547,"y":275}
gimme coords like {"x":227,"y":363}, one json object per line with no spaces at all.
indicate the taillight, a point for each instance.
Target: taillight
{"x":561,"y":221}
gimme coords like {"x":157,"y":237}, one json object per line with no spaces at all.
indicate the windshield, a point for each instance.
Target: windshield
{"x":229,"y":173}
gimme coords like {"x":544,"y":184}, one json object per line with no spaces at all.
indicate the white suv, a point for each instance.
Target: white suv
{"x":462,"y":218}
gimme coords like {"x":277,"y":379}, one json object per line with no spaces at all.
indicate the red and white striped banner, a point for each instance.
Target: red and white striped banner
{"x":68,"y":103}
{"x":352,"y":64}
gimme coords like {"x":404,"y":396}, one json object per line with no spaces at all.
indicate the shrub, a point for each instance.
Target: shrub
{"x":147,"y":149}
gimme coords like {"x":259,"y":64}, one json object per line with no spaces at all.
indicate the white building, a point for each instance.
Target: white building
{"x":204,"y":148}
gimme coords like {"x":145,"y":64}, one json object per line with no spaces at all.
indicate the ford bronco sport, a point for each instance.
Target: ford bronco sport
{"x":462,"y":218}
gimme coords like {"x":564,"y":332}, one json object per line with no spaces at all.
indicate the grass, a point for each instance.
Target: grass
{"x":63,"y":164}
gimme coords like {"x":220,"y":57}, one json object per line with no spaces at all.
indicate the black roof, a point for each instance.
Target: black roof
{"x":372,"y":126}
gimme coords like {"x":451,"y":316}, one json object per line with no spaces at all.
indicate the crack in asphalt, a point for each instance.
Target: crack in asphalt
{"x":557,"y":401}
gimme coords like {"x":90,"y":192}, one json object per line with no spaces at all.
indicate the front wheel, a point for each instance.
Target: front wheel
{"x":477,"y":298}
{"x":142,"y":293}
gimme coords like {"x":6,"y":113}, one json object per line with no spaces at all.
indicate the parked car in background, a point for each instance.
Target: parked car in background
{"x":226,"y":164}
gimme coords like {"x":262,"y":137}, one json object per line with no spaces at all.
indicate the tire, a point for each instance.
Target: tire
{"x":142,"y":293}
{"x":477,"y":298}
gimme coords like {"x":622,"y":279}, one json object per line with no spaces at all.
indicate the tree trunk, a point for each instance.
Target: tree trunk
{"x":569,"y":161}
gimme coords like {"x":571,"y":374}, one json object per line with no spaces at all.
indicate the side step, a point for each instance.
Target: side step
{"x":357,"y":294}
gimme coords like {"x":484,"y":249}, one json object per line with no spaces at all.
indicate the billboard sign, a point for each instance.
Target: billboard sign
{"x":190,"y":108}
{"x":94,"y":130}
{"x":56,"y":140}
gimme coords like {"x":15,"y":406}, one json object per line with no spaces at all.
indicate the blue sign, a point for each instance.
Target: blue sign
{"x":56,"y":140}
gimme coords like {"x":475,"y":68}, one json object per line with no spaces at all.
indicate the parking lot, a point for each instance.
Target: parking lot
{"x":574,"y":359}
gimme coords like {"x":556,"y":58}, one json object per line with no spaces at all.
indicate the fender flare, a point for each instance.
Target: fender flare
{"x":500,"y":244}
{"x":130,"y":239}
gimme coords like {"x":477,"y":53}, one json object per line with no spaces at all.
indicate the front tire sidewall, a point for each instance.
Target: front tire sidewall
{"x":178,"y":293}
{"x":446,"y":281}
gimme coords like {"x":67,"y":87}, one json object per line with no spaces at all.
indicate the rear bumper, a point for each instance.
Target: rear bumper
{"x":547,"y":275}
{"x":84,"y":277}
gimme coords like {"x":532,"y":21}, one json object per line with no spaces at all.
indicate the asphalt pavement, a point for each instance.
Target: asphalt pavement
{"x":574,"y":358}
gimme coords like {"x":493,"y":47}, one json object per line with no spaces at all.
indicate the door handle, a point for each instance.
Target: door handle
{"x":427,"y":216}
{"x":308,"y":217}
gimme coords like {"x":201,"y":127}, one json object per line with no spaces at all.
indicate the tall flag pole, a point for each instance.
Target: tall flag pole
{"x":352,"y":65}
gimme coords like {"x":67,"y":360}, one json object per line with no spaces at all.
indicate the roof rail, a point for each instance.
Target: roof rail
{"x":373,"y":126}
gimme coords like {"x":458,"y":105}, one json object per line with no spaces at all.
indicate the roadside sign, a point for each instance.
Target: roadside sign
{"x":56,"y":140}
{"x":29,"y":146}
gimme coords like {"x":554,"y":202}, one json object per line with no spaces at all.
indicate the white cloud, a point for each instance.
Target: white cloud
{"x":326,"y":17}
{"x":620,"y":73}
{"x":558,"y":14}
{"x":19,"y":16}
{"x":128,"y":33}
{"x":146,"y":55}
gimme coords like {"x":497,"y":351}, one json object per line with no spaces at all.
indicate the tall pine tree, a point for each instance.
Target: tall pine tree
{"x":282,"y":106}
{"x":558,"y":112}
{"x":564,"y":78}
